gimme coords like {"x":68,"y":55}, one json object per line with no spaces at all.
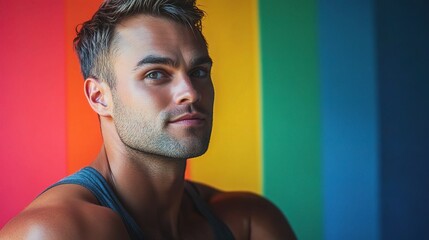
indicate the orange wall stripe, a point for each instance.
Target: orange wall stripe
{"x":83,"y":130}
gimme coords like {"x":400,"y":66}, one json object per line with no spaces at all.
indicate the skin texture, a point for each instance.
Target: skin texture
{"x":158,"y":115}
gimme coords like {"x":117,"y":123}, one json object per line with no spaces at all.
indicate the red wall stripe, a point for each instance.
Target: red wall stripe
{"x":32,"y":103}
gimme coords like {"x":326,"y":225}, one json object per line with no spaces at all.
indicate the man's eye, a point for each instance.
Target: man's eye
{"x":199,"y":73}
{"x":155,"y":75}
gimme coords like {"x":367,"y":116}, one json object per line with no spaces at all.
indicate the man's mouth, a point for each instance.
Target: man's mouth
{"x":188,"y":119}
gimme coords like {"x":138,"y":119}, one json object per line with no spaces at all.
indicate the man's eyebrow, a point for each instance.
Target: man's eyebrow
{"x":201,"y":60}
{"x":153,"y":59}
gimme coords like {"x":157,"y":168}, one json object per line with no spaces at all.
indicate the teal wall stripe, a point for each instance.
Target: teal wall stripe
{"x":291,"y":117}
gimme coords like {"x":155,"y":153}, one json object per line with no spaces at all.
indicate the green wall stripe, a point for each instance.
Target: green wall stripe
{"x":291,"y":112}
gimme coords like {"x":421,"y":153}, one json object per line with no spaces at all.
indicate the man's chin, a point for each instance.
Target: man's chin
{"x":194,"y":150}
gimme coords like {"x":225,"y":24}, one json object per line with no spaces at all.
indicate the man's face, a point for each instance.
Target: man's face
{"x":163,"y":99}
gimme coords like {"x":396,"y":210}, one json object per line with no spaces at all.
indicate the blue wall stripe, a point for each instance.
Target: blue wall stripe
{"x":349,"y":119}
{"x":403,"y":60}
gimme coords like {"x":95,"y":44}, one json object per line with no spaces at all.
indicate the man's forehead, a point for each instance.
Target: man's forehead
{"x":148,"y":32}
{"x":143,"y":25}
{"x":141,"y":36}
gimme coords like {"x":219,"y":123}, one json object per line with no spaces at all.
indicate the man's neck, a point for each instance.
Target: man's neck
{"x":150,"y":187}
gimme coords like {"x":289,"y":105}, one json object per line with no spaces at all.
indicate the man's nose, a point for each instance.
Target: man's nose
{"x":185,"y":91}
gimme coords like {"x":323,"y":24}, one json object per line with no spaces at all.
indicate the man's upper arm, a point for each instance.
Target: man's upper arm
{"x":40,"y":224}
{"x":249,"y":215}
{"x":268,"y":222}
{"x":63,"y":223}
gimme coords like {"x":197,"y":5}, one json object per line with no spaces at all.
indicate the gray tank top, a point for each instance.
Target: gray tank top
{"x":92,"y":180}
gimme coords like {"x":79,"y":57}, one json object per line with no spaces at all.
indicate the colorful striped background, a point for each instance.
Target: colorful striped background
{"x":321,"y":106}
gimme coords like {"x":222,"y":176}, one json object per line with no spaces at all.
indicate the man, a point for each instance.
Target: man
{"x":147,"y":76}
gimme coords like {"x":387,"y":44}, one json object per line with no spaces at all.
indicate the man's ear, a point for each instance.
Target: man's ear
{"x":98,"y":95}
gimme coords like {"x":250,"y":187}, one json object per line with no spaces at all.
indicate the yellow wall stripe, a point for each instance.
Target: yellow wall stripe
{"x":233,"y":160}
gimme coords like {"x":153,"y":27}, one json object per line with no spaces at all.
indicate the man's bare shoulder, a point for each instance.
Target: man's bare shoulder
{"x":249,"y":216}
{"x":65,"y":212}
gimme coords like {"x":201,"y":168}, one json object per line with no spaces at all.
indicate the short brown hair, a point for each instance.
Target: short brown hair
{"x":94,"y":38}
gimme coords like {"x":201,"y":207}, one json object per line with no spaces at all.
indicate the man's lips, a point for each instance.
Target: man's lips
{"x":188,"y":119}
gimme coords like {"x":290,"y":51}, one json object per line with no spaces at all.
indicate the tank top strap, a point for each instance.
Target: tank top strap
{"x":220,"y":229}
{"x":92,"y":180}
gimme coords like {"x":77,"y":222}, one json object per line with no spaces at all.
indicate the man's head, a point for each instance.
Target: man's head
{"x":151,"y":80}
{"x":94,"y":42}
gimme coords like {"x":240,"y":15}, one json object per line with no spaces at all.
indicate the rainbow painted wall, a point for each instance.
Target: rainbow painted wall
{"x":321,"y":106}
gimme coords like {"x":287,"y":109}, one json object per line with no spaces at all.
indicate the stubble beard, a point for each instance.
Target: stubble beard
{"x":150,"y":136}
